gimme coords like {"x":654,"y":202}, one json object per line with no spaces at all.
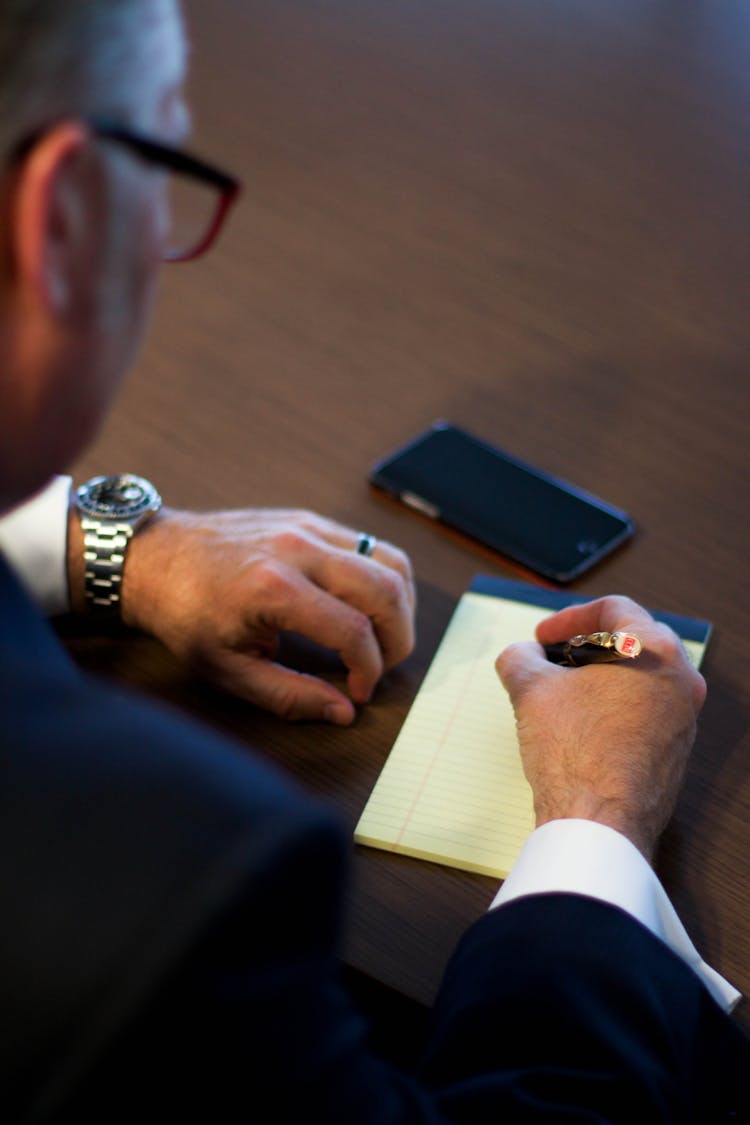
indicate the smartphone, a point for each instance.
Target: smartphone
{"x":545,"y":524}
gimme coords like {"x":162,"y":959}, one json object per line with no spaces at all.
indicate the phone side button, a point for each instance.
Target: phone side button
{"x":420,"y":505}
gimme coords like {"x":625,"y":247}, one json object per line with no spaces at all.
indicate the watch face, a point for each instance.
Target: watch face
{"x":118,"y":497}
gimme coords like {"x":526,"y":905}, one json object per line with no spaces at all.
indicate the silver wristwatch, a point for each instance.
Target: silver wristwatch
{"x":112,"y":509}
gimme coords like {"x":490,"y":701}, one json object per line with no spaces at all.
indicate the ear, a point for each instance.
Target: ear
{"x":50,"y":205}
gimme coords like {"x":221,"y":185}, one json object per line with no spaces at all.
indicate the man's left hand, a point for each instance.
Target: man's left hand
{"x":219,"y":588}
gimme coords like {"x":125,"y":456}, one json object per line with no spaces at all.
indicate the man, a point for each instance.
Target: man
{"x":217,"y":589}
{"x":169,"y":906}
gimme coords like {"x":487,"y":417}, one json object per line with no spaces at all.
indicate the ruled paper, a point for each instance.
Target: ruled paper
{"x":453,"y":788}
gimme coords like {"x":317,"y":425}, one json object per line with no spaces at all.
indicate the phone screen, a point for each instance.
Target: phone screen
{"x":541,"y":522}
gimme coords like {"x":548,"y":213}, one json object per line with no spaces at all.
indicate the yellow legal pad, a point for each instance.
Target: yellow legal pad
{"x":453,"y":788}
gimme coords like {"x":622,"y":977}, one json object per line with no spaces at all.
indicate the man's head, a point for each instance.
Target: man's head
{"x":82,"y":220}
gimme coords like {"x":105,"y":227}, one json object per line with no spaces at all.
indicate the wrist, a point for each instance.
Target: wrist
{"x":107,"y":514}
{"x":135,"y":588}
{"x":608,"y":812}
{"x":149,"y":555}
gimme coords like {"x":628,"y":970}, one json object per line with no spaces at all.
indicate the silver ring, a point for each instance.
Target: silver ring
{"x":366,"y":544}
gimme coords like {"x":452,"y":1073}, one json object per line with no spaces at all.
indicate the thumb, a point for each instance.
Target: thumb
{"x":521,"y":665}
{"x":288,"y":694}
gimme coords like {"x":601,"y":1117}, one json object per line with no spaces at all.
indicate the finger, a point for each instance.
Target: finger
{"x":669,"y":650}
{"x":521,"y":665}
{"x":293,"y":603}
{"x":376,"y":591}
{"x":605,"y":614}
{"x":661,"y":644}
{"x":347,"y":539}
{"x":385,"y":554}
{"x":312,"y":544}
{"x":700,"y":691}
{"x":288,"y":694}
{"x":388,"y":555}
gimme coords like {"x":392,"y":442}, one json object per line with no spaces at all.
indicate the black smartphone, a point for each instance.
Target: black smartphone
{"x":545,"y":524}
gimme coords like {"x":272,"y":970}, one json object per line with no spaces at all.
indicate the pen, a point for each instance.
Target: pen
{"x":595,"y":648}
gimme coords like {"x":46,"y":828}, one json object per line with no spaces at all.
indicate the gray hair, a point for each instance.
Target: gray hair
{"x":65,"y":58}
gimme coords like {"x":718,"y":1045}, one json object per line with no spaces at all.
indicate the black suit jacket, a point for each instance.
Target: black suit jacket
{"x":168,"y":926}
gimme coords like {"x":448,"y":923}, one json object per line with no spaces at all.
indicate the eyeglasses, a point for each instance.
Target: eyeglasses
{"x":200,"y":195}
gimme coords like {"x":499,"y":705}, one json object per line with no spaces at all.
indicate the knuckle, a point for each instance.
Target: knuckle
{"x":285,"y":705}
{"x":397,"y":558}
{"x":409,"y":640}
{"x":506,"y":660}
{"x":404,"y":565}
{"x":620,"y":605}
{"x":358,"y":633}
{"x":282,"y":695}
{"x":669,"y":644}
{"x":505,"y":666}
{"x":401,"y":646}
{"x":271,"y":582}
{"x":289,"y":542}
{"x":391,"y":588}
{"x":306,"y":520}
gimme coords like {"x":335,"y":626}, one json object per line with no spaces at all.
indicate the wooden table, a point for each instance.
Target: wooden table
{"x":530,"y":218}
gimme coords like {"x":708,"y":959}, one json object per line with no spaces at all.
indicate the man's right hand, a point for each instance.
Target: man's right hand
{"x":606,"y":742}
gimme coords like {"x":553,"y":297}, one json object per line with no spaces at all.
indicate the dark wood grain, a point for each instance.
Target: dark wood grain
{"x":530,"y":218}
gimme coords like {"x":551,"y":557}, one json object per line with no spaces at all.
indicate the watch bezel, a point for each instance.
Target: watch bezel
{"x":112,"y":511}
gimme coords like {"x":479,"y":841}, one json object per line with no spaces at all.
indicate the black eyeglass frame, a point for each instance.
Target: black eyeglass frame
{"x":165,"y":156}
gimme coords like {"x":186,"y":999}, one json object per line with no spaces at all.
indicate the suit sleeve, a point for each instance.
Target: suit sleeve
{"x":558,"y":1007}
{"x":596,"y":1022}
{"x":583,"y":857}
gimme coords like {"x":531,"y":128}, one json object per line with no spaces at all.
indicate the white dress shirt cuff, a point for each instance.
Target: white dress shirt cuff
{"x":34,"y":537}
{"x":583,"y":857}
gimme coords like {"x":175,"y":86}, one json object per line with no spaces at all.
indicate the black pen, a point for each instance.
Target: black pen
{"x":595,"y":648}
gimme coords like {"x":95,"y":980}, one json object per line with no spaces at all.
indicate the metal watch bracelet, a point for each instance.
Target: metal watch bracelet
{"x":104,"y":550}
